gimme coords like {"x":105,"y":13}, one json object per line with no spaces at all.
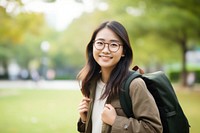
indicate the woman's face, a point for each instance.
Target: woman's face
{"x":109,"y":55}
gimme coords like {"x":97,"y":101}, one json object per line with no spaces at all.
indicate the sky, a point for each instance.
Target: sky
{"x":60,"y":13}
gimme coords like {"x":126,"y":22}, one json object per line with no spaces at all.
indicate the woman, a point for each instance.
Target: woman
{"x":109,"y":56}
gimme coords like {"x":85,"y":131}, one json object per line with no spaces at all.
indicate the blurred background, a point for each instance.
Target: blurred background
{"x":42,"y":45}
{"x":46,"y":39}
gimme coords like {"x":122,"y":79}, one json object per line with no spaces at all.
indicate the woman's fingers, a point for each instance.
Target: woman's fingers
{"x":86,"y":99}
{"x":109,"y":106}
{"x":109,"y":114}
{"x":83,"y":108}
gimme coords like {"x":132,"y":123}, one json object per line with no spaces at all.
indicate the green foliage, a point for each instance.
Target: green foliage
{"x":171,"y":19}
{"x":172,"y":22}
{"x":174,"y":75}
{"x":19,"y":34}
{"x":158,"y":48}
{"x":159,"y":29}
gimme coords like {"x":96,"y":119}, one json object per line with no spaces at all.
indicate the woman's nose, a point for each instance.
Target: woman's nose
{"x":106,"y":48}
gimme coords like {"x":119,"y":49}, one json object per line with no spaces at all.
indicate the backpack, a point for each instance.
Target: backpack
{"x":171,"y":114}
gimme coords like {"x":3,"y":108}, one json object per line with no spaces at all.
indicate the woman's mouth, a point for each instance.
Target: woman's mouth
{"x":106,"y":56}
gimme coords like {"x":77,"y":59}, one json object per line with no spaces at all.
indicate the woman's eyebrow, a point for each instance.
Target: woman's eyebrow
{"x":100,"y":39}
{"x":112,"y":40}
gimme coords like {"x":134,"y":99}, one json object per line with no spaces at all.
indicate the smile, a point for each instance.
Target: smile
{"x":106,"y":56}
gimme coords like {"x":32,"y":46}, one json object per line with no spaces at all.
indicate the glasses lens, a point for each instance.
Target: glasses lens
{"x":114,"y":46}
{"x":99,"y":45}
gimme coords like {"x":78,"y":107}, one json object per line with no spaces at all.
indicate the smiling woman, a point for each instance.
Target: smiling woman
{"x":109,"y":56}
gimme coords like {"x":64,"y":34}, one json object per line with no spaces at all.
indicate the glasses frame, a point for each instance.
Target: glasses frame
{"x":104,"y":44}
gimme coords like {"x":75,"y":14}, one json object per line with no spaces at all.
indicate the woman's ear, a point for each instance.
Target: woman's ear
{"x":124,"y":51}
{"x":123,"y":54}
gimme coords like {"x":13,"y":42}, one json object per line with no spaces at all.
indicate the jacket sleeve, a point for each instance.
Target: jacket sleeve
{"x":81,"y":126}
{"x":146,"y":115}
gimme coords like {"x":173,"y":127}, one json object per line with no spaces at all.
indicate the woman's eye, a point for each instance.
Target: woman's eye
{"x":113,"y":44}
{"x":100,"y":43}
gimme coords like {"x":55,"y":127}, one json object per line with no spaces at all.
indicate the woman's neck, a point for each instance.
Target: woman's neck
{"x":105,"y":75}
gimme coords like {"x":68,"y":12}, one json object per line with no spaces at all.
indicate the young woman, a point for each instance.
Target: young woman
{"x":109,"y":56}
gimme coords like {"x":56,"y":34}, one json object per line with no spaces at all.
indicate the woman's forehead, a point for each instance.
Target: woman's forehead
{"x":107,"y":34}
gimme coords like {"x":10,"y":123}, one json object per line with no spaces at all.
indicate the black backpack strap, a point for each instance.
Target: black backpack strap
{"x":124,"y":97}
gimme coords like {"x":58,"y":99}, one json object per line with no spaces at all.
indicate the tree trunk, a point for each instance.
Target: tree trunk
{"x":5,"y":67}
{"x":183,"y":43}
{"x":184,"y":63}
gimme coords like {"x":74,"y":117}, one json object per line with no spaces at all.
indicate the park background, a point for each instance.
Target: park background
{"x":43,"y":42}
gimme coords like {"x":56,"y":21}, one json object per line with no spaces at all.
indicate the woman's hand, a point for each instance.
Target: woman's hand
{"x":83,"y":108}
{"x":109,"y":114}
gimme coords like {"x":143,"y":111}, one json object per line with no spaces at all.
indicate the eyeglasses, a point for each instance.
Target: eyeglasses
{"x":113,"y":46}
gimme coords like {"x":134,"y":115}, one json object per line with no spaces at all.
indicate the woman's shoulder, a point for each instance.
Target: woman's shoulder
{"x":137,"y":82}
{"x":138,"y":90}
{"x":138,"y":86}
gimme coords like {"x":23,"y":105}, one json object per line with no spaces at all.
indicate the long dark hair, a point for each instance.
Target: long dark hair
{"x":91,"y":71}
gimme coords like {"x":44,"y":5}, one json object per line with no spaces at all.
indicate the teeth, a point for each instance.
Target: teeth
{"x":105,"y":56}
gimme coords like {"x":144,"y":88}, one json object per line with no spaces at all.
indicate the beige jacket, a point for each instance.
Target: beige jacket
{"x":147,"y":119}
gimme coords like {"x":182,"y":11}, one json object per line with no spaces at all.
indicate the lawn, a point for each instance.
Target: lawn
{"x":55,"y":111}
{"x":38,"y":111}
{"x":190,"y":102}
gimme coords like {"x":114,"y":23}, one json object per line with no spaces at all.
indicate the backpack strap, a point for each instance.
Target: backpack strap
{"x":124,"y":97}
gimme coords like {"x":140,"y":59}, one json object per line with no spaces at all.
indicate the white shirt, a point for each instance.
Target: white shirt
{"x":98,"y":108}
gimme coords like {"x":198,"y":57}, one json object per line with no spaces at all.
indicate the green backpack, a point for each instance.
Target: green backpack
{"x":172,"y":116}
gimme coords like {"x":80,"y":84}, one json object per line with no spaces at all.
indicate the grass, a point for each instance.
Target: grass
{"x":38,"y":111}
{"x":55,"y":111}
{"x":189,"y":101}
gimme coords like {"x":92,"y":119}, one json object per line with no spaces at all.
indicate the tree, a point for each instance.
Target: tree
{"x":172,"y":20}
{"x":16,"y":27}
{"x":183,"y":26}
